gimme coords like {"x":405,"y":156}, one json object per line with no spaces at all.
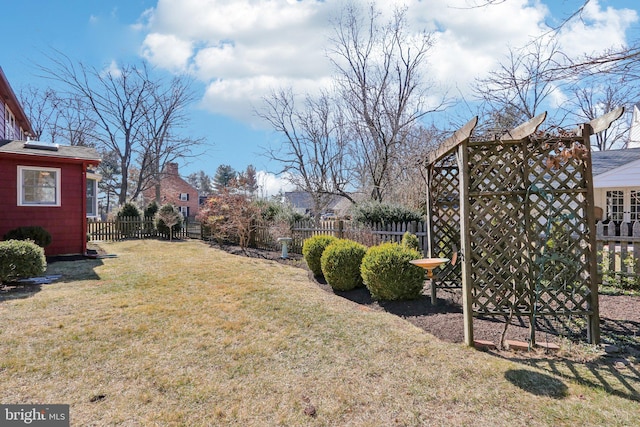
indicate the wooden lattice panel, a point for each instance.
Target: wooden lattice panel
{"x":528,"y":230}
{"x":445,"y":222}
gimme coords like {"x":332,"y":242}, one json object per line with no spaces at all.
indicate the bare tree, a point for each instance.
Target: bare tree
{"x":160,"y":144}
{"x":597,"y":96}
{"x":380,"y":79}
{"x":134,"y":114}
{"x":522,"y":85}
{"x":39,"y":106}
{"x":312,"y":152}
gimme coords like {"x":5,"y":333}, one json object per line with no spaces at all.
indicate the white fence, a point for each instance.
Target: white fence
{"x":618,"y":249}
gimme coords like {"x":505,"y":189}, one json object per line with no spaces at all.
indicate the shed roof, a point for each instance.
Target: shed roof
{"x":63,"y":151}
{"x":605,"y":161}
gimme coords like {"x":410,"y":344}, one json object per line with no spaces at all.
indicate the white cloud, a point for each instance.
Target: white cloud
{"x":167,"y":51}
{"x":112,"y":70}
{"x":597,"y":29}
{"x":242,"y":49}
{"x":270,"y":184}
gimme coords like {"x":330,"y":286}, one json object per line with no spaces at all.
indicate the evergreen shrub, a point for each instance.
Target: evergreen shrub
{"x":388,"y":274}
{"x":340,"y":264}
{"x":36,"y":234}
{"x":312,"y":250}
{"x":383,"y":213}
{"x":128,"y":220}
{"x":20,"y":259}
{"x":411,"y":241}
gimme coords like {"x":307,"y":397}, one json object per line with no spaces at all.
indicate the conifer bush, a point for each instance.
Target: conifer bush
{"x":312,"y":250}
{"x":411,"y":241}
{"x":128,"y":220}
{"x":20,"y":259}
{"x":340,"y":263}
{"x":36,"y":234}
{"x":388,"y":274}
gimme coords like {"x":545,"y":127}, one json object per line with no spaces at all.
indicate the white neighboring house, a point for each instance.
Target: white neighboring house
{"x":616,"y":184}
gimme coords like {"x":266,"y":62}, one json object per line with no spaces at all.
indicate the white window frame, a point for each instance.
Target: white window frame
{"x":9,"y":124}
{"x":184,"y":210}
{"x":613,"y":198}
{"x":94,"y":184}
{"x":184,"y":197}
{"x":20,"y":186}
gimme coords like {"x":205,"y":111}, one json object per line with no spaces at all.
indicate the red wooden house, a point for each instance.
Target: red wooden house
{"x":43,"y":184}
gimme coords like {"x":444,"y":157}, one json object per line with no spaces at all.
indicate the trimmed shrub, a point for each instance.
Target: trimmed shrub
{"x":410,"y":241}
{"x":168,"y":218}
{"x":312,"y":249}
{"x":36,"y":234}
{"x":340,"y":264}
{"x":151,"y":209}
{"x":128,"y":220}
{"x":149,"y":216}
{"x":388,"y":274}
{"x":20,"y":259}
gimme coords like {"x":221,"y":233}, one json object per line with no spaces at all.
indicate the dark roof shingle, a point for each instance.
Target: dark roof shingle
{"x":604,"y":161}
{"x":63,"y":151}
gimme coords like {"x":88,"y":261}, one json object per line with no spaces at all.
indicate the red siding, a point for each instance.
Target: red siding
{"x":2,"y":125}
{"x":65,"y":223}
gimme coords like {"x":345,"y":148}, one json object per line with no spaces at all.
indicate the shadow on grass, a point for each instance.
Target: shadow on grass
{"x":13,"y":291}
{"x":59,"y":270}
{"x":617,"y":377}
{"x":537,"y":383}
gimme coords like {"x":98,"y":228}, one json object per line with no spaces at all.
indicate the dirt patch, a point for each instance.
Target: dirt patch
{"x":619,"y":314}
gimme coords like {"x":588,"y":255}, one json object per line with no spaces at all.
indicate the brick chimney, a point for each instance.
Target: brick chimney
{"x":171,"y":169}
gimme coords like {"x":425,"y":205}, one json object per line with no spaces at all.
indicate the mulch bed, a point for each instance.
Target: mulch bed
{"x":619,"y":314}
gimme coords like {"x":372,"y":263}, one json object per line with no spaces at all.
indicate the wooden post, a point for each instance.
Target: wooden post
{"x":465,"y":207}
{"x":594,"y":317}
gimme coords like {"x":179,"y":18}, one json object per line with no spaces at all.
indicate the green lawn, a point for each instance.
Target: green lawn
{"x":177,"y":333}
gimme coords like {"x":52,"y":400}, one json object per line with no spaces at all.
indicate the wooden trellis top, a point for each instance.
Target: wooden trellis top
{"x":520,"y":132}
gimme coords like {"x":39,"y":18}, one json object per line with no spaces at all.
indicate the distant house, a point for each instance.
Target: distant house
{"x":616,"y":182}
{"x":175,"y":190}
{"x":302,"y":202}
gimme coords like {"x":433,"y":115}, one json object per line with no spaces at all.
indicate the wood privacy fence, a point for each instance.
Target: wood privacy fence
{"x":265,"y":235}
{"x":137,"y":228}
{"x":266,"y":238}
{"x":618,"y":248}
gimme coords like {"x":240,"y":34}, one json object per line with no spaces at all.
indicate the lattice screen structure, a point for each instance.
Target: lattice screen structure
{"x":520,"y":212}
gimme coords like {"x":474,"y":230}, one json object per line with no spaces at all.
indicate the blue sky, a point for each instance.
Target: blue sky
{"x":237,"y":50}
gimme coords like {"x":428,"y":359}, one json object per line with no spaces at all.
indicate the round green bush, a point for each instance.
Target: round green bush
{"x":20,"y":259}
{"x":312,"y":249}
{"x":340,"y":264}
{"x":36,"y":234}
{"x":411,"y":241}
{"x":388,"y":274}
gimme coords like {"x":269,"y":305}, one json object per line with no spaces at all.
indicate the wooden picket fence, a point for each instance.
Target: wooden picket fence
{"x":618,"y":249}
{"x":136,"y":228}
{"x":367,"y":235}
